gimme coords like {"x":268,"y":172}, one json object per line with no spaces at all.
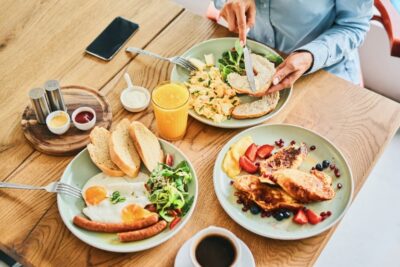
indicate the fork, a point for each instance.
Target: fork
{"x":54,"y":187}
{"x":183,"y":62}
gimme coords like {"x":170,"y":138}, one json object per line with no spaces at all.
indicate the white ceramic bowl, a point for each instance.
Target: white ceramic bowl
{"x":130,"y":108}
{"x":58,"y":130}
{"x":213,"y":230}
{"x":84,"y":126}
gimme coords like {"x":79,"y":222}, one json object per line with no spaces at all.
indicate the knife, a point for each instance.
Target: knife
{"x":248,"y":65}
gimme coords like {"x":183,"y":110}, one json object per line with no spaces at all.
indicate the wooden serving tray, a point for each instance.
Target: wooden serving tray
{"x":74,"y":140}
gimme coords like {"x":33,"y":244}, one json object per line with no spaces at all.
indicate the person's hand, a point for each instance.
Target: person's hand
{"x":291,"y":70}
{"x":240,"y":15}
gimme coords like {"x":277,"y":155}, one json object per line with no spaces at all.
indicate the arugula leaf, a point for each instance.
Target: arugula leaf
{"x":116,"y":197}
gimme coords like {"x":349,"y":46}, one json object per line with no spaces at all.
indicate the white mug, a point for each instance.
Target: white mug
{"x":213,"y":230}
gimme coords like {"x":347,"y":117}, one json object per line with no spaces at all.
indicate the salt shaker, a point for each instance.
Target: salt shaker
{"x":39,"y":103}
{"x":54,"y":95}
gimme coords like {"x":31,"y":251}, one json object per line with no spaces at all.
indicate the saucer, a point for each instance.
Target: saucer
{"x":182,"y":259}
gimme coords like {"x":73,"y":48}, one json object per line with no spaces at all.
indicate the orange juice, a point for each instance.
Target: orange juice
{"x":171,"y":103}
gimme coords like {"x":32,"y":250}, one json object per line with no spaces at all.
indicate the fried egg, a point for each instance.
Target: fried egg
{"x":115,"y":199}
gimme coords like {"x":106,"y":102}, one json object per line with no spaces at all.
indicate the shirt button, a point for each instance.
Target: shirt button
{"x":264,"y":5}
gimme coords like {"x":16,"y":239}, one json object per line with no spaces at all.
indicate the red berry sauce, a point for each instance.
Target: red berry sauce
{"x":84,"y":117}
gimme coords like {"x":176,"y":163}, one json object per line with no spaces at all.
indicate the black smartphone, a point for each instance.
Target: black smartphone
{"x":108,"y":43}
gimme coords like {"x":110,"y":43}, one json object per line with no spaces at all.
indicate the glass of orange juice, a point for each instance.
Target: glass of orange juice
{"x":171,"y":104}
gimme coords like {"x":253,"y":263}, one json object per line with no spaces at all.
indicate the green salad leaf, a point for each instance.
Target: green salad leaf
{"x":168,"y":188}
{"x":233,"y":60}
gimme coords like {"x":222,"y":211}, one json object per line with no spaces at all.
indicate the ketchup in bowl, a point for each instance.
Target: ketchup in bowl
{"x":84,"y":117}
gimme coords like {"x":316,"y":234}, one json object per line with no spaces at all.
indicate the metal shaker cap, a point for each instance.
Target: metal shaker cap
{"x":54,"y":95}
{"x":36,"y":93}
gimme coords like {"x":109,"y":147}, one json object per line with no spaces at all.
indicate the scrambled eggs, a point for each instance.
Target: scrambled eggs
{"x":210,"y":96}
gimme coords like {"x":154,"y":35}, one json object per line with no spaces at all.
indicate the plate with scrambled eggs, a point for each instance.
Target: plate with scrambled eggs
{"x":215,"y":98}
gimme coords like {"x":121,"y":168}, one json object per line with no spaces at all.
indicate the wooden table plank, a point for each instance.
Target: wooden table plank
{"x":46,"y":40}
{"x":359,"y":122}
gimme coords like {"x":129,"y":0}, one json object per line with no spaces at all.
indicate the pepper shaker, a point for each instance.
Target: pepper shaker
{"x":39,"y":103}
{"x":54,"y":95}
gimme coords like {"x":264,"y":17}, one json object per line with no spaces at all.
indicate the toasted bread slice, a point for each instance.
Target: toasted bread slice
{"x":122,"y":149}
{"x":269,"y":198}
{"x":146,"y":144}
{"x":99,"y":152}
{"x":256,"y":108}
{"x":264,"y":70}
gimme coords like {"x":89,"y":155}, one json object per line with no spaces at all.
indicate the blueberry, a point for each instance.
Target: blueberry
{"x":255,"y":209}
{"x":325,"y":164}
{"x":279,"y":216}
{"x":286,"y":214}
{"x":319,"y":167}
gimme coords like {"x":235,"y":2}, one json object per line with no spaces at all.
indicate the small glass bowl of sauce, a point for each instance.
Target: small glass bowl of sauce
{"x":58,"y":122}
{"x":84,"y":118}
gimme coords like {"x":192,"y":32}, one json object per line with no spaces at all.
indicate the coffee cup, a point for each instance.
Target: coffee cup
{"x":215,"y":246}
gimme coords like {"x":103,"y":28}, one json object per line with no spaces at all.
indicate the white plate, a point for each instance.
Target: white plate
{"x":79,"y":170}
{"x":286,"y":229}
{"x":217,"y":47}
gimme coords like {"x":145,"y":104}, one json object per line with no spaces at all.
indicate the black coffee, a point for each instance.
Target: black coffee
{"x":215,"y":251}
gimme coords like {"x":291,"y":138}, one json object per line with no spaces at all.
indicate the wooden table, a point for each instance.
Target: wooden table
{"x":40,"y":40}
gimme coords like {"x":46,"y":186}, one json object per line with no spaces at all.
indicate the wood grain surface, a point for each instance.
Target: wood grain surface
{"x":359,"y":122}
{"x":74,"y":140}
{"x":45,"y":40}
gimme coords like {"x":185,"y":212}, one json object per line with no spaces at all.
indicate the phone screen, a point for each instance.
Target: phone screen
{"x":107,"y":44}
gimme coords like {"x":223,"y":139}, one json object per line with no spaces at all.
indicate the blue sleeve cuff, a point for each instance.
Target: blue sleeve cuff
{"x":319,"y":52}
{"x":219,"y":4}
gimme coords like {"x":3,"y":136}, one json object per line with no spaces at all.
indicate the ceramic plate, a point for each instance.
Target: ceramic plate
{"x":217,"y":47}
{"x":79,"y":170}
{"x":286,"y":229}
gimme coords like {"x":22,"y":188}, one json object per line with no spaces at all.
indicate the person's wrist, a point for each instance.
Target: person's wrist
{"x":308,"y":59}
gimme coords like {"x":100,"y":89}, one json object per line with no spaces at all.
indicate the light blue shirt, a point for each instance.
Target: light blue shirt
{"x":331,"y":30}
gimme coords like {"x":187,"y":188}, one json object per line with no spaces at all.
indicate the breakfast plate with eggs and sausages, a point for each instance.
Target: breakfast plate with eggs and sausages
{"x":137,"y":190}
{"x":220,"y":93}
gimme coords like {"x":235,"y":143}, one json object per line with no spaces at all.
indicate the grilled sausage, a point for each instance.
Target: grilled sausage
{"x":143,"y":233}
{"x":114,"y":227}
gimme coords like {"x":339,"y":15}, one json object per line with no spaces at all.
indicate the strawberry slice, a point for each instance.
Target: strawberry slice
{"x":247,"y":165}
{"x":169,"y":160}
{"x":300,"y":217}
{"x":264,"y":151}
{"x":251,"y":152}
{"x":312,"y":217}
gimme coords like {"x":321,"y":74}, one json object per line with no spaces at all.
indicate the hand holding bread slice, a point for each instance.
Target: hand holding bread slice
{"x":264,"y":71}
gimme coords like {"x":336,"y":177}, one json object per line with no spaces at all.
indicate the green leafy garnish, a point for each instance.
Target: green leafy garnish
{"x":233,"y":60}
{"x":116,"y":197}
{"x":168,"y":188}
{"x":275,"y":58}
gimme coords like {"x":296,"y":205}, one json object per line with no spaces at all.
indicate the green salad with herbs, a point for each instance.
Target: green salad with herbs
{"x":233,"y":60}
{"x":168,"y":188}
